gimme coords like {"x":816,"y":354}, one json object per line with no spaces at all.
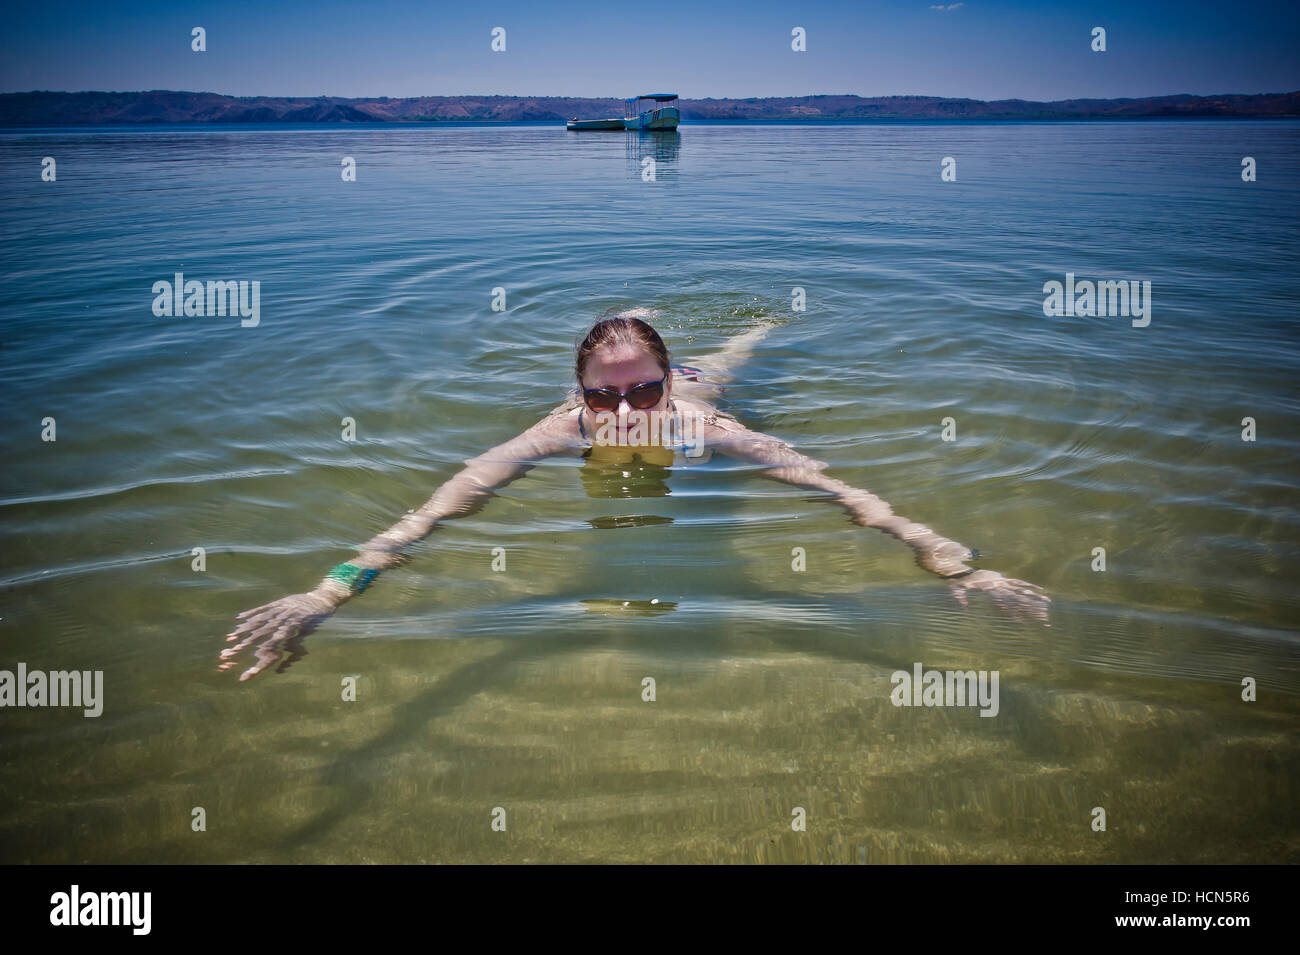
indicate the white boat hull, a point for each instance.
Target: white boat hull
{"x":665,"y":117}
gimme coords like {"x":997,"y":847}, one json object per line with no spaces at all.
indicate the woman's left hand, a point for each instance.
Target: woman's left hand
{"x":1018,"y":598}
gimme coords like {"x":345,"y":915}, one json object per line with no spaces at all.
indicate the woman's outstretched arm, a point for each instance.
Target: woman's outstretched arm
{"x":469,"y":488}
{"x":286,"y":621}
{"x":935,"y":553}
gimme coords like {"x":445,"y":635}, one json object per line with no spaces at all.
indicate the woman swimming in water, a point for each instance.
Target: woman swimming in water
{"x":630,"y":401}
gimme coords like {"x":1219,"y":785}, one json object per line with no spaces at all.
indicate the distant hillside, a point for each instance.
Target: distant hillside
{"x":167,"y":106}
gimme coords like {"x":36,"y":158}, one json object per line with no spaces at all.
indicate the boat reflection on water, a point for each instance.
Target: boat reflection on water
{"x":661,"y":146}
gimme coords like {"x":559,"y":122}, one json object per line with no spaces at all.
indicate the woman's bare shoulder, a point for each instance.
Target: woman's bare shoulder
{"x":723,"y":431}
{"x":561,"y":424}
{"x":695,"y":405}
{"x":714,"y":421}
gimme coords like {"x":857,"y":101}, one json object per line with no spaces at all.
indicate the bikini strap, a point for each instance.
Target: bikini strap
{"x":581,"y":427}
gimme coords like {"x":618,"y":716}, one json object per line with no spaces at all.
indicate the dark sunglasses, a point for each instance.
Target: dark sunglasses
{"x":640,"y":397}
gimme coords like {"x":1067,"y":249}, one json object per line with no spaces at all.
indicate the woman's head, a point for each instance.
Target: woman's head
{"x":620,"y":353}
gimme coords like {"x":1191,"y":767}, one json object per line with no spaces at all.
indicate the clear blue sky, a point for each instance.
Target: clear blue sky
{"x":981,"y":49}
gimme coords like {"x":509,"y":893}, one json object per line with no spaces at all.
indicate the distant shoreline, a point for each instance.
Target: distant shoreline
{"x":700,"y":124}
{"x":167,"y":107}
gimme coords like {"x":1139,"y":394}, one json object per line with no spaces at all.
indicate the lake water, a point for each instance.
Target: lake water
{"x":522,"y":689}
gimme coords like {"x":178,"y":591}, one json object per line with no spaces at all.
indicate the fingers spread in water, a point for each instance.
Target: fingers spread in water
{"x":264,"y":608}
{"x":261,"y":631}
{"x":1028,"y":589}
{"x":273,"y":613}
{"x":267,"y":653}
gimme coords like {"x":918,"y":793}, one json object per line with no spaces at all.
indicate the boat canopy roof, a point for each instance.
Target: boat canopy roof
{"x":662,"y":97}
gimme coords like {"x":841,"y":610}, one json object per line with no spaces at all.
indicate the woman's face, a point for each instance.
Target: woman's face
{"x":623,"y":368}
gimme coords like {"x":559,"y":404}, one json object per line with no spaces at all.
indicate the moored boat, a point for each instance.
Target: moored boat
{"x":581,"y":124}
{"x":652,"y":111}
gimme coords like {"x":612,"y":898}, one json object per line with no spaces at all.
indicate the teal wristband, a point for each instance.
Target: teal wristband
{"x":355,"y":578}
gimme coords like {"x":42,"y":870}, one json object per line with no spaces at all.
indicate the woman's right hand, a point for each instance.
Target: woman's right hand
{"x":286,"y":620}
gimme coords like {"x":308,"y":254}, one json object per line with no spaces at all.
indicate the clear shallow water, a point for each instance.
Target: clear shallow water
{"x":523,"y":689}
